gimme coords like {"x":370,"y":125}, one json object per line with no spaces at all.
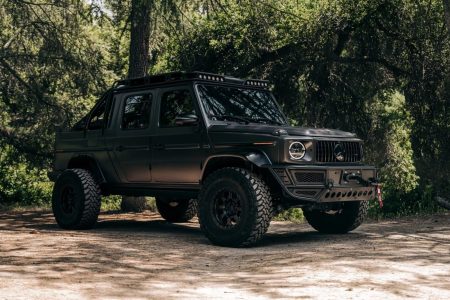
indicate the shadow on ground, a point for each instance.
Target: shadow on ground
{"x":137,"y":256}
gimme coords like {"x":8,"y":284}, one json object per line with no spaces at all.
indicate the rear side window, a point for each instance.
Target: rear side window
{"x":175,"y":104}
{"x":136,"y":111}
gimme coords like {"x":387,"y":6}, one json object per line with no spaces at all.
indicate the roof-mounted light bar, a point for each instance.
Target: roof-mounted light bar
{"x":213,"y":77}
{"x":257,"y":83}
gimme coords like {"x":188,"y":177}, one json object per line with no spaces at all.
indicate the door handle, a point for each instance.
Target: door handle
{"x":159,"y":146}
{"x":120,"y":148}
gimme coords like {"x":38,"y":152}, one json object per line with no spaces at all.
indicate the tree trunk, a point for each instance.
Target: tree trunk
{"x":140,"y":38}
{"x":133,"y":204}
{"x":138,"y":66}
{"x":447,"y":14}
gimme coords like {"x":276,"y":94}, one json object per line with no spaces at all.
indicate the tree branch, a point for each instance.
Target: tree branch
{"x":23,"y":145}
{"x":364,"y":60}
{"x":35,"y":92}
{"x":447,"y":14}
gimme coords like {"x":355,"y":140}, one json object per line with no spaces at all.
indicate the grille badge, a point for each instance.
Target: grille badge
{"x":339,"y":152}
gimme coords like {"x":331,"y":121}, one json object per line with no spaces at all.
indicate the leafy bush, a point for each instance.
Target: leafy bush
{"x":111,"y":203}
{"x":292,"y":214}
{"x":416,"y":202}
{"x":389,"y":147}
{"x":21,"y":183}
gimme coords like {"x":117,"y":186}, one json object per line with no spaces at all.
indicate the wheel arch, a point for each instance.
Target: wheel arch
{"x":255,"y":161}
{"x":89,"y":163}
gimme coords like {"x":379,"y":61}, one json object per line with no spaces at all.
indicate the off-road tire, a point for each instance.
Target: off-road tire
{"x":176,"y":211}
{"x":86,"y":198}
{"x":347,"y":218}
{"x":256,"y":207}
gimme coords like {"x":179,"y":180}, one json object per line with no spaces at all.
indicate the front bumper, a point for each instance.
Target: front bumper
{"x":327,"y":183}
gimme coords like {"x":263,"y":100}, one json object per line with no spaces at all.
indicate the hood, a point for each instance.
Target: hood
{"x":272,"y":129}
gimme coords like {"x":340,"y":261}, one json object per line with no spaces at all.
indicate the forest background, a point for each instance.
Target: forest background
{"x":378,"y":68}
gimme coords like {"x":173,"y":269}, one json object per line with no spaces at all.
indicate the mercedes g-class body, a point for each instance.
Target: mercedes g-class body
{"x":211,"y":145}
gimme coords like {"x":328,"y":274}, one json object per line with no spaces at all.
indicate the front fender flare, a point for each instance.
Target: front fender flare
{"x":260,"y":159}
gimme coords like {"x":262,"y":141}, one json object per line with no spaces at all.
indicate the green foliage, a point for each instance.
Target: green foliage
{"x":112,"y":203}
{"x":378,"y":68}
{"x":53,"y":63}
{"x":20,"y":183}
{"x":292,"y":214}
{"x":389,"y":146}
{"x":419,"y":201}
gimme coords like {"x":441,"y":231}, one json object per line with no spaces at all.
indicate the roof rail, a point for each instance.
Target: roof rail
{"x":175,"y":76}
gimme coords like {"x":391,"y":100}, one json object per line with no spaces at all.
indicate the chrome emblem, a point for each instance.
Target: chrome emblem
{"x":339,"y":152}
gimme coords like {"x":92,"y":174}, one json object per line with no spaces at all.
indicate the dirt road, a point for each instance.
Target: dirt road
{"x":139,"y":256}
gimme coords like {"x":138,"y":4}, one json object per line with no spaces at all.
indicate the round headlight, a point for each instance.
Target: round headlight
{"x":297,"y":150}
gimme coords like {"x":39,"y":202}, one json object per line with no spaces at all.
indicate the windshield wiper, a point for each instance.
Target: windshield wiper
{"x":230,"y":118}
{"x":267,"y":120}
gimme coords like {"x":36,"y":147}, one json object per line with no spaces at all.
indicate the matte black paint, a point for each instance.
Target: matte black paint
{"x":172,"y":161}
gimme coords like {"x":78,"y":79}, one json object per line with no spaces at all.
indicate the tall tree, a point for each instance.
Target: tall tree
{"x":138,"y":66}
{"x":139,"y":37}
{"x":447,"y":14}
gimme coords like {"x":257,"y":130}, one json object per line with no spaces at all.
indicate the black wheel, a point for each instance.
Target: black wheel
{"x":177,"y":211}
{"x":235,"y":207}
{"x":76,"y":200}
{"x":339,"y":218}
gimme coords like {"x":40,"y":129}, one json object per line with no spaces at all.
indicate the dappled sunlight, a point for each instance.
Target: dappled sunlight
{"x":137,"y":256}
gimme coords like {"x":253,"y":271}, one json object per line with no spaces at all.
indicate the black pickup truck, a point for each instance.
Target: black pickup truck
{"x":211,"y":145}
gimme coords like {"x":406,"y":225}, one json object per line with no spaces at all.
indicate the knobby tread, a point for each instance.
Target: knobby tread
{"x":91,"y":200}
{"x":183,"y":212}
{"x":360,"y":216}
{"x":261,"y":196}
{"x":191,"y":210}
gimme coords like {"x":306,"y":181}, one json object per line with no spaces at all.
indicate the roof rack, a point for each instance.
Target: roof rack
{"x":203,"y":76}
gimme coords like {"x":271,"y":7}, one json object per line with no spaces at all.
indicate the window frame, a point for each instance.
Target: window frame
{"x":206,"y":114}
{"x":195,"y":104}
{"x":103,"y":101}
{"x":124,"y":103}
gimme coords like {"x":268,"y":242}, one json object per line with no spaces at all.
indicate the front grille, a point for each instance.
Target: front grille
{"x":309,"y":177}
{"x":325,"y":151}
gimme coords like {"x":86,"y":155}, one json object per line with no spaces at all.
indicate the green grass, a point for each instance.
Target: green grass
{"x":18,"y":207}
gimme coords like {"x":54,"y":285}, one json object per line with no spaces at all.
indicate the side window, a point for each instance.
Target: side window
{"x":176,"y":104}
{"x":97,"y":116}
{"x":136,"y":112}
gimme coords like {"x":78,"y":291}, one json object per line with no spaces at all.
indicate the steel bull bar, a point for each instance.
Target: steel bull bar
{"x":329,"y":183}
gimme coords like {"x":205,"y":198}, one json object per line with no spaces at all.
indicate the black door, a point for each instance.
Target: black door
{"x":131,"y":139}
{"x":177,"y":147}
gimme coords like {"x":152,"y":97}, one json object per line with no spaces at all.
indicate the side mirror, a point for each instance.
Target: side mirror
{"x":186,"y":120}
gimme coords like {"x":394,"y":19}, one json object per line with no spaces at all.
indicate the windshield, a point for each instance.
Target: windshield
{"x":240,"y":105}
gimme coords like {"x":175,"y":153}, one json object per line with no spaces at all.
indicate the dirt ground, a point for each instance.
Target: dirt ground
{"x":139,"y":256}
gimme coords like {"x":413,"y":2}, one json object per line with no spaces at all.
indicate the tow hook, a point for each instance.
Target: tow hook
{"x":380,"y":198}
{"x":377,"y":185}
